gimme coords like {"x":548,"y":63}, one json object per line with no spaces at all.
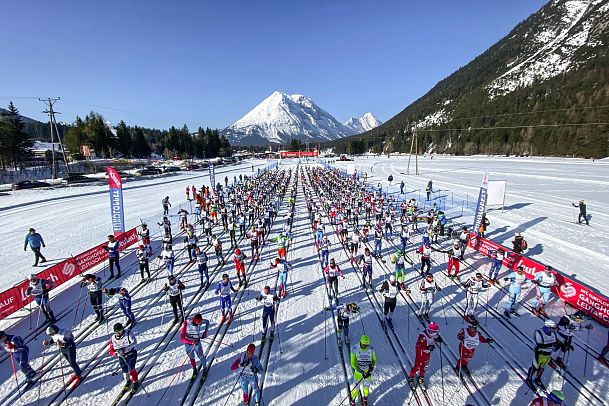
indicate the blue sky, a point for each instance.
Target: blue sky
{"x":207,"y":63}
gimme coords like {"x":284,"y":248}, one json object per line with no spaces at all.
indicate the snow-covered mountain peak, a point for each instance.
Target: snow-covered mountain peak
{"x":281,"y":117}
{"x":364,"y":123}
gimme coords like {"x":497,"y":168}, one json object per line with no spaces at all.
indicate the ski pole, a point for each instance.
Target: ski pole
{"x":586,"y":361}
{"x":77,"y":307}
{"x":38,"y":318}
{"x":30,"y":315}
{"x":444,"y":310}
{"x":63,"y":378}
{"x":82,"y":315}
{"x":486,"y":307}
{"x":488,"y":357}
{"x":15,"y":373}
{"x":352,"y":390}
{"x":325,"y":333}
{"x":442,"y":372}
{"x":234,"y":386}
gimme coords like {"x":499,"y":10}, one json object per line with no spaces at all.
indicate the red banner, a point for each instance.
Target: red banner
{"x":299,"y":154}
{"x":568,"y":290}
{"x":14,"y":298}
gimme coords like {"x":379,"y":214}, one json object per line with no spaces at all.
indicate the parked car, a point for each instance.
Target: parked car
{"x":148,"y":171}
{"x":29,"y":184}
{"x":71,"y":179}
{"x":167,"y":169}
{"x":122,"y":174}
{"x":191,"y":167}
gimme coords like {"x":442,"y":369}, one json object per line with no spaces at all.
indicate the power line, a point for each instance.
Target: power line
{"x":513,"y":127}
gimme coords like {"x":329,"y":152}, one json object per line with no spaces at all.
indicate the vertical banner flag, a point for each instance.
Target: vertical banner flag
{"x":116,"y":201}
{"x":212,"y":177}
{"x":481,"y":205}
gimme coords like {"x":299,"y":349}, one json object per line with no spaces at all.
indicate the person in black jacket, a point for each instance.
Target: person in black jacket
{"x":582,"y":212}
{"x":519,"y":244}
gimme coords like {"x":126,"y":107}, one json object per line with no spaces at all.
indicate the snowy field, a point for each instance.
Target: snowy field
{"x":304,"y":364}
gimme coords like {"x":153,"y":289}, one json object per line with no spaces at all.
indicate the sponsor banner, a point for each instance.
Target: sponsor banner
{"x":117,"y":214}
{"x":299,"y":154}
{"x":15,"y":298}
{"x":212,"y":177}
{"x":481,"y":205}
{"x":569,"y":290}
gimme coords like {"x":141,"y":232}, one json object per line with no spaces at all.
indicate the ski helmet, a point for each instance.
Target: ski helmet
{"x":478,"y":275}
{"x":556,"y":396}
{"x":172,"y":279}
{"x":33,"y":277}
{"x":144,"y":225}
{"x":332,"y":262}
{"x":251,"y":348}
{"x":433,"y":327}
{"x":365,"y":340}
{"x":429,"y":275}
{"x":238,"y":251}
{"x":31,"y":230}
{"x":520,"y":268}
{"x":548,"y":268}
{"x":2,"y":335}
{"x":197,"y":319}
{"x":225,"y":276}
{"x":118,"y":328}
{"x":579,"y":315}
{"x":52,"y":329}
{"x":392,"y":278}
{"x":549,"y":323}
{"x":473,"y":324}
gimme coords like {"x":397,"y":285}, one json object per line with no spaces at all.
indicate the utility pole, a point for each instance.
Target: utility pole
{"x":414,"y":144}
{"x":53,"y":125}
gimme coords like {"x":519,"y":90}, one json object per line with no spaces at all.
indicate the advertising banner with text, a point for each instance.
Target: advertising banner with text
{"x":568,"y":289}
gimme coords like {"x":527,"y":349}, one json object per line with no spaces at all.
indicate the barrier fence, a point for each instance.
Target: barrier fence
{"x":15,"y":298}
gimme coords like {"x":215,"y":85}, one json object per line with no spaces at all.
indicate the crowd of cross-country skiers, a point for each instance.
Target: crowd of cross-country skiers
{"x":363,"y":215}
{"x":245,"y":209}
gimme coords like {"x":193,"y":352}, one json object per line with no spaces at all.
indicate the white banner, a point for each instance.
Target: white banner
{"x":496,"y":192}
{"x":350,"y":169}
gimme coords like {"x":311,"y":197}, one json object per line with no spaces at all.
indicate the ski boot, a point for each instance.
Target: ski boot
{"x":506,"y":313}
{"x":514,"y":313}
{"x":364,"y":401}
{"x":560,"y":363}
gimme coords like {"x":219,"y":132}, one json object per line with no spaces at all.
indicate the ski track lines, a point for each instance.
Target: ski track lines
{"x":563,"y":235}
{"x":147,"y":310}
{"x":76,"y":223}
{"x":300,"y":375}
{"x":224,"y":350}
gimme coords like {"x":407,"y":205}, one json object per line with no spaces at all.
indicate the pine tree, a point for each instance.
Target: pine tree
{"x":15,"y":145}
{"x":141,"y":149}
{"x":123,"y":133}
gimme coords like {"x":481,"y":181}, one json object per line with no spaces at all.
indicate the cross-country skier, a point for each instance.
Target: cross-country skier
{"x":519,"y":244}
{"x":39,"y":288}
{"x":463,"y":240}
{"x":174,"y":288}
{"x":429,"y":189}
{"x":34,"y":240}
{"x":324,"y":251}
{"x":554,"y":398}
{"x":363,"y":361}
{"x":470,"y":338}
{"x":144,"y":236}
{"x":269,"y":301}
{"x":544,"y":280}
{"x":94,"y":287}
{"x":143,"y":259}
{"x":497,"y":258}
{"x":239,"y":260}
{"x":332,"y":272}
{"x":568,"y":326}
{"x":281,"y":240}
{"x":166,"y":205}
{"x":425,"y":252}
{"x":224,"y":288}
{"x":404,"y":234}
{"x":426,"y":343}
{"x":166,"y":224}
{"x":366,"y":258}
{"x":545,"y":343}
{"x":64,"y":339}
{"x":113,"y":256}
{"x":218,"y":249}
{"x":582,"y":212}
{"x":168,"y":258}
{"x":122,"y":345}
{"x":202,"y":266}
{"x":389,"y":289}
{"x":398,"y":258}
{"x":427,"y":287}
{"x":193,"y":330}
{"x":190,"y":241}
{"x":453,"y":259}
{"x":378,"y":241}
{"x":354,"y":242}
{"x":517,"y":279}
{"x":344,"y":312}
{"x":124,"y":301}
{"x":250,"y":367}
{"x":473,"y":286}
{"x":19,"y":354}
{"x":283,"y":267}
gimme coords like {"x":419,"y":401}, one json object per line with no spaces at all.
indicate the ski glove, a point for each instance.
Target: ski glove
{"x":366,"y":374}
{"x":439,"y":340}
{"x":431,"y":347}
{"x":490,"y":341}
